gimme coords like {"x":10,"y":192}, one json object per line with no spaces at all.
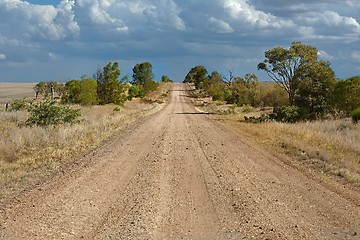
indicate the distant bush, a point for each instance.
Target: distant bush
{"x":49,"y":113}
{"x":19,"y":104}
{"x":218,"y":96}
{"x":355,"y":115}
{"x":165,"y":78}
{"x":275,"y":97}
{"x":150,"y":85}
{"x":289,"y":114}
{"x":136,"y":91}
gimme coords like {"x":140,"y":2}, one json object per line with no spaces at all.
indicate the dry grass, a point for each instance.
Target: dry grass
{"x":330,"y":146}
{"x":28,"y":154}
{"x":9,"y":91}
{"x":333,"y":145}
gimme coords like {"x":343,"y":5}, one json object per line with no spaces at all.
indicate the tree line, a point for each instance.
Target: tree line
{"x":105,"y":87}
{"x":307,"y":88}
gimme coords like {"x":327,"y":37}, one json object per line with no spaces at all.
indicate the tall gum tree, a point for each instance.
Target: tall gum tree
{"x":284,"y":66}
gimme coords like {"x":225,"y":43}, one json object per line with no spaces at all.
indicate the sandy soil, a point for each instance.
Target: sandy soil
{"x":180,"y":175}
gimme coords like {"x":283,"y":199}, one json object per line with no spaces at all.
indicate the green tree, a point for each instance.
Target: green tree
{"x":142,"y":72}
{"x":40,"y":89}
{"x":143,"y":76}
{"x":165,"y":78}
{"x":49,"y":89}
{"x":346,"y":96}
{"x":243,"y":91}
{"x":88,"y":94}
{"x":315,"y":90}
{"x":284,"y":66}
{"x":109,"y":88}
{"x":236,"y":92}
{"x":215,"y":86}
{"x":73,"y":92}
{"x":59,"y":88}
{"x":196,"y":75}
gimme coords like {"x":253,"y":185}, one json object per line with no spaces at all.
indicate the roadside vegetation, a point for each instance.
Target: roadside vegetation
{"x":306,"y":112}
{"x":41,"y":136}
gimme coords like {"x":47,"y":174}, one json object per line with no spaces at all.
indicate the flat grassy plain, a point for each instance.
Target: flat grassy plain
{"x":9,"y":91}
{"x":30,"y":154}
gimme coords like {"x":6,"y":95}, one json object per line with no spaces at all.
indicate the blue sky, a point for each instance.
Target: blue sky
{"x":62,"y":40}
{"x":45,"y":2}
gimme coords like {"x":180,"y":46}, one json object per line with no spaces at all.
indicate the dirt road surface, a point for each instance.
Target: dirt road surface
{"x":179,"y":175}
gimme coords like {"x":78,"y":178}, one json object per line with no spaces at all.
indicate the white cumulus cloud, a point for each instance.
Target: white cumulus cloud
{"x":242,"y":10}
{"x":333,"y":19}
{"x":330,"y":25}
{"x":2,"y":56}
{"x":38,"y":21}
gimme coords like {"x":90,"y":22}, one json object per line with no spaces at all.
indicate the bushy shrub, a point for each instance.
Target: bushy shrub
{"x":135,"y":91}
{"x":276,"y":97}
{"x":19,"y":104}
{"x":49,"y":113}
{"x":355,"y":115}
{"x":289,"y":114}
{"x":150,"y":85}
{"x":218,"y":96}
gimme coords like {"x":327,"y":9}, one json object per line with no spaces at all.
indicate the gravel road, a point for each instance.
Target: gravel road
{"x":180,"y":175}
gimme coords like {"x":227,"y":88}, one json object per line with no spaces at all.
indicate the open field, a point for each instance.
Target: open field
{"x":179,"y":174}
{"x":9,"y":91}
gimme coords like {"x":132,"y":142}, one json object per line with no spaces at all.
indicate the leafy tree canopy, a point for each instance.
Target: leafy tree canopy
{"x":142,"y":72}
{"x":165,"y":78}
{"x":196,"y":75}
{"x":109,"y":88}
{"x":49,"y":89}
{"x":315,"y":90}
{"x":143,"y":77}
{"x":284,"y":66}
{"x":346,"y":96}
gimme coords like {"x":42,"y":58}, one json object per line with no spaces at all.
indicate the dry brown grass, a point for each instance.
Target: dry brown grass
{"x":9,"y":91}
{"x":330,"y":146}
{"x":28,"y":154}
